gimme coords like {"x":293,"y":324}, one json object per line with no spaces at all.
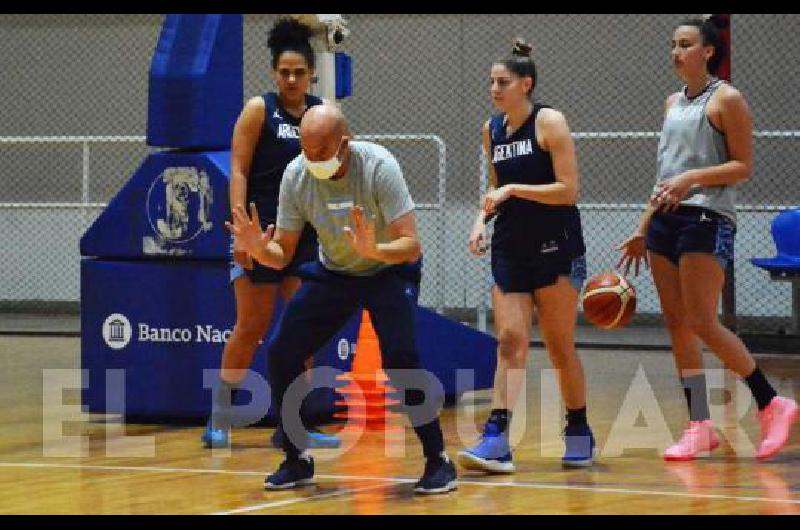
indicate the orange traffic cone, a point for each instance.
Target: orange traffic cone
{"x":366,"y":396}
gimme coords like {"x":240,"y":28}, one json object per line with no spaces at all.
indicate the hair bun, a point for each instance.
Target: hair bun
{"x":288,"y":32}
{"x":521,"y":48}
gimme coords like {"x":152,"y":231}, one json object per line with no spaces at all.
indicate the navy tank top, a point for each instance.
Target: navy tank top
{"x":278,"y":145}
{"x":529,"y":230}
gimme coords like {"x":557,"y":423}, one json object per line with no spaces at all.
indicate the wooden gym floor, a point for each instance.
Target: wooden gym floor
{"x":168,"y":472}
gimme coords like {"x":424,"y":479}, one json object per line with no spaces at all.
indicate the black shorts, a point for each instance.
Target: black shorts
{"x":514,"y":275}
{"x":306,"y":251}
{"x":691,"y":229}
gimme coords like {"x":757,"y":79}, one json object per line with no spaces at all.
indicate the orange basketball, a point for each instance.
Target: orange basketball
{"x":609,"y":300}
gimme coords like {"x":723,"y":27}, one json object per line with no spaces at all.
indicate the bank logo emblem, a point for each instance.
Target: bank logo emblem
{"x":343,"y":349}
{"x":117,"y":331}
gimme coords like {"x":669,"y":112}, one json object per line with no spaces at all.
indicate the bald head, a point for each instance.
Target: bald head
{"x":321,"y":130}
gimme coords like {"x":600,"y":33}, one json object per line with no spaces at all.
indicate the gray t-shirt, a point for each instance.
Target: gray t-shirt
{"x":373,"y":181}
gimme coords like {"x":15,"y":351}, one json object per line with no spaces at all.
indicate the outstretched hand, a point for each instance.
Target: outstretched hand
{"x":246,"y":230}
{"x":362,"y":233}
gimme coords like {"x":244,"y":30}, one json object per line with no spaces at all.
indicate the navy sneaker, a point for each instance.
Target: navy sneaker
{"x":316,"y":439}
{"x":439,"y":476}
{"x":580,"y":448}
{"x":492,"y":453}
{"x":291,"y":474}
{"x":215,"y":438}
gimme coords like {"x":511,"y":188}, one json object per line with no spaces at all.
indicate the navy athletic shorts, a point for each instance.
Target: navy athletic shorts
{"x":691,"y":229}
{"x":514,"y":275}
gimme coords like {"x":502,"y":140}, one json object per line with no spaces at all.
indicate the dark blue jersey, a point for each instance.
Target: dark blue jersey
{"x":525,"y":229}
{"x":278,"y":144}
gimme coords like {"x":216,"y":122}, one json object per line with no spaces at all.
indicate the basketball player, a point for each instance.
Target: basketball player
{"x":537,"y":256}
{"x":265,"y":139}
{"x":687,"y":233}
{"x":355,"y":196}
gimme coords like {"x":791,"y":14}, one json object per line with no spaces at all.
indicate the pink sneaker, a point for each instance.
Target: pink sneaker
{"x":776,"y":422}
{"x":698,"y":438}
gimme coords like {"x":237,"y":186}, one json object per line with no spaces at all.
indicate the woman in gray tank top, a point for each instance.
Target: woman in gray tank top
{"x":686,"y":235}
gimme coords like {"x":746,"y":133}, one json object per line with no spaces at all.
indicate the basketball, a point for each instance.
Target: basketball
{"x":609,"y":300}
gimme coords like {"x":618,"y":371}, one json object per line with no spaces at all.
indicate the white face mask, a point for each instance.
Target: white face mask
{"x":325,"y":169}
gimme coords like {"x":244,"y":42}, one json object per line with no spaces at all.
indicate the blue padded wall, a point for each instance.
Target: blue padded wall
{"x":196,"y":86}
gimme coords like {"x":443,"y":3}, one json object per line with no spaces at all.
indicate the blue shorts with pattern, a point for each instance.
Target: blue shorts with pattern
{"x":691,"y":229}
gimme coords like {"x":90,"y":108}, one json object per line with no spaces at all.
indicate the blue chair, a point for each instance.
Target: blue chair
{"x":786,"y":265}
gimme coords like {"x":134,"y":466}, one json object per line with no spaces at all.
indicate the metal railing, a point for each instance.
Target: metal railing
{"x":86,"y":143}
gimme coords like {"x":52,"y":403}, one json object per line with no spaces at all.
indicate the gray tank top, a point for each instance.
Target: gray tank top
{"x":689,"y":141}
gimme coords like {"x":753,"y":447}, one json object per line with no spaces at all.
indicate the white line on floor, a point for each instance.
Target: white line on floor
{"x":285,"y":502}
{"x":401,"y":480}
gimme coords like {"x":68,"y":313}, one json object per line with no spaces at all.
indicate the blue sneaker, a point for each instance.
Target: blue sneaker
{"x":580,"y":448}
{"x":291,"y":474}
{"x":316,"y":439}
{"x":215,"y":438}
{"x":492,"y":454}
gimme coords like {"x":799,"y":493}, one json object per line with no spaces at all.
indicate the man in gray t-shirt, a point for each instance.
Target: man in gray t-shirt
{"x":374,"y":182}
{"x":354,"y":195}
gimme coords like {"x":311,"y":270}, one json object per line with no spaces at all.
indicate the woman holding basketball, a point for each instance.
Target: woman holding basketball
{"x":537,"y":256}
{"x":265,"y":140}
{"x":687,"y":233}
